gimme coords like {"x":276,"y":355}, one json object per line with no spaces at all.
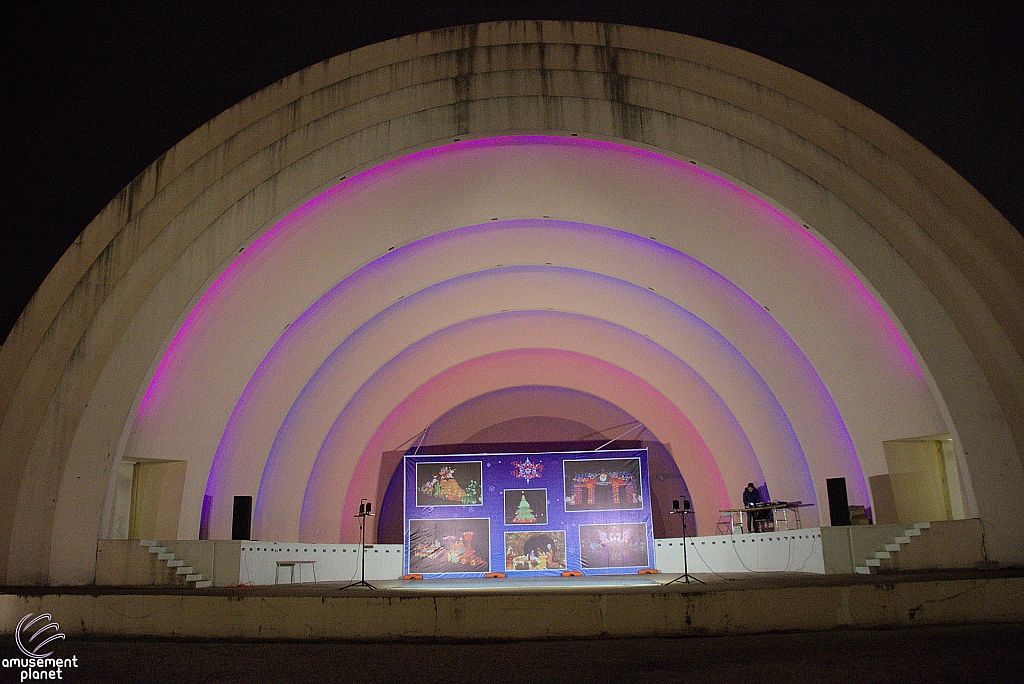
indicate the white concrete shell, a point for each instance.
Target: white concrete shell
{"x":885,"y":280}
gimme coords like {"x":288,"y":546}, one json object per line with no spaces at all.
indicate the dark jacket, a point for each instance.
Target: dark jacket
{"x":751,"y":497}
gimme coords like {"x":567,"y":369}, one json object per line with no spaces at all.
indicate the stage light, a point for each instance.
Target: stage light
{"x":686,"y":505}
{"x":675,"y":504}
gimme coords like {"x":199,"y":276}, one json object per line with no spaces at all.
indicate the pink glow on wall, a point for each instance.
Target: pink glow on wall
{"x":254,"y":256}
{"x":660,"y":307}
{"x":265,"y":243}
{"x":631,"y":244}
{"x":430,"y":399}
{"x":646,"y":250}
{"x":354,"y":184}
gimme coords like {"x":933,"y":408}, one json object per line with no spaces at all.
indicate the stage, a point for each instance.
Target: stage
{"x":752,"y":583}
{"x":955,"y":544}
{"x":483,"y":609}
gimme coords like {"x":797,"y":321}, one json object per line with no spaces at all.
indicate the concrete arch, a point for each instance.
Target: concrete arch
{"x":938,"y":256}
{"x":572,"y":370}
{"x":347,"y":439}
{"x":738,"y":445}
{"x":477,"y":417}
{"x":524,"y":288}
{"x":272,"y":393}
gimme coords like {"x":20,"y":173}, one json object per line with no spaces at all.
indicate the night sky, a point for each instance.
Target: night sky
{"x":94,"y":93}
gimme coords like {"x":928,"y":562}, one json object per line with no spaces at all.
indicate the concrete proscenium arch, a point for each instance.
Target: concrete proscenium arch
{"x":274,"y":388}
{"x":342,"y":458}
{"x":503,"y":416}
{"x":483,"y":419}
{"x":933,"y":254}
{"x":572,"y":370}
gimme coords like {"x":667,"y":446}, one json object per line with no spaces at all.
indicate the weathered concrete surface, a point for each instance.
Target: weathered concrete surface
{"x":722,"y":607}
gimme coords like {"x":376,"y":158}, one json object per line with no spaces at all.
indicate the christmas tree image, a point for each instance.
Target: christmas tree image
{"x":524,"y":514}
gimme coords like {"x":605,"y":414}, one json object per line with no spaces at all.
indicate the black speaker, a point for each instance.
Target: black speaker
{"x":241,"y":518}
{"x":838,"y":504}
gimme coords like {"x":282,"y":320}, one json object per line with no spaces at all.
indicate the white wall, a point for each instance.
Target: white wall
{"x":788,"y":551}
{"x":334,"y":562}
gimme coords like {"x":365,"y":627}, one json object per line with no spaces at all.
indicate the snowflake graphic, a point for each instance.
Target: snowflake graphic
{"x":526,"y":470}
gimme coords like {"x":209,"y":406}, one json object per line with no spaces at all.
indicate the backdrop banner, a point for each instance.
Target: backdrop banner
{"x":528,"y":514}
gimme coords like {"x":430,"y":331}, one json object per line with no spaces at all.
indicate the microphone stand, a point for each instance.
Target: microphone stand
{"x":685,"y":577}
{"x":364,"y":512}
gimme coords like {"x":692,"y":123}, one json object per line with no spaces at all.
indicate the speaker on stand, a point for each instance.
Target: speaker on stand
{"x":364,"y":513}
{"x":685,"y":577}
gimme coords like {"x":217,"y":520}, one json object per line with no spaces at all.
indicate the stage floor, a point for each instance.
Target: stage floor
{"x":529,"y":584}
{"x":593,"y":584}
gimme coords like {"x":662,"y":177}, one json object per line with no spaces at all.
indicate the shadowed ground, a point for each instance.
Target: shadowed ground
{"x":960,"y":653}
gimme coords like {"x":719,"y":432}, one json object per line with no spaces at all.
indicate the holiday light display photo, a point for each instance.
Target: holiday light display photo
{"x":448,"y":484}
{"x":452,"y":545}
{"x":533,"y":551}
{"x":602,"y":484}
{"x":526,"y":507}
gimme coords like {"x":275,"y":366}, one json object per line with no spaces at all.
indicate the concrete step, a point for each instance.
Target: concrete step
{"x":166,"y":556}
{"x":865,"y":570}
{"x":197,"y":577}
{"x":892,"y":547}
{"x":158,"y":549}
{"x":912,"y":532}
{"x":883,"y":554}
{"x":204,"y":584}
{"x":873,"y":562}
{"x":902,"y":540}
{"x":175,"y":563}
{"x":185,"y":570}
{"x":148,"y":542}
{"x":923,"y":525}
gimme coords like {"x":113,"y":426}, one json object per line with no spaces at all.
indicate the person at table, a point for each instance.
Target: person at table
{"x":751,"y":498}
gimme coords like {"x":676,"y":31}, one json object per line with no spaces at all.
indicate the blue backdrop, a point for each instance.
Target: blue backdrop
{"x":528,"y":514}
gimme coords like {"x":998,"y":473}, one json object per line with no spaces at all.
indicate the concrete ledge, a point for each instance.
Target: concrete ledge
{"x":663,"y":611}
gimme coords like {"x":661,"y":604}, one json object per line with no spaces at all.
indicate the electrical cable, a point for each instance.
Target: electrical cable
{"x":603,"y":431}
{"x":708,"y":566}
{"x":638,"y":424}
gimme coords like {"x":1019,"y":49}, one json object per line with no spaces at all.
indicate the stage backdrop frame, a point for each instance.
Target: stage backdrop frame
{"x":527,"y":514}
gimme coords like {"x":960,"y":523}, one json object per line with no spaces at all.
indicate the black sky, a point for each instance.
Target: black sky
{"x":95,"y":92}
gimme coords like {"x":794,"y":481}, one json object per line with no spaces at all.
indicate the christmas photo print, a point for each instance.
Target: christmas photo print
{"x":602,"y":484}
{"x":449,"y":484}
{"x":526,"y":507}
{"x":453,"y":545}
{"x":613,"y":546}
{"x":535,"y":550}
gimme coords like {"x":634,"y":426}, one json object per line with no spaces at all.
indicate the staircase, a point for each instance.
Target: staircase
{"x":882,"y":560}
{"x":183,"y":573}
